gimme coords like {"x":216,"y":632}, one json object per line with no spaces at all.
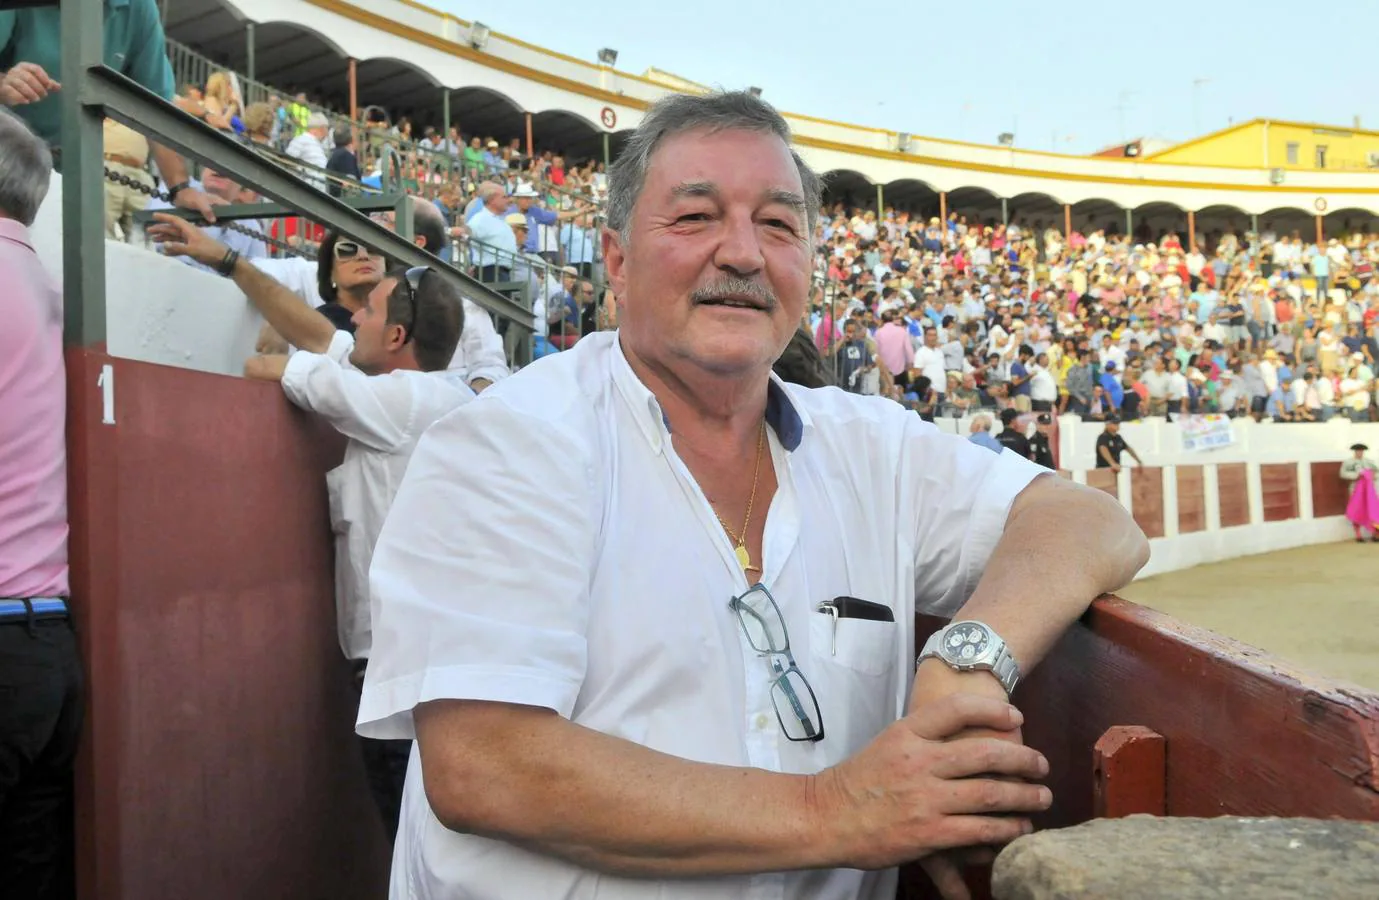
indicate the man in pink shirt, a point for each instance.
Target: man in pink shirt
{"x":40,"y":671}
{"x":895,"y":348}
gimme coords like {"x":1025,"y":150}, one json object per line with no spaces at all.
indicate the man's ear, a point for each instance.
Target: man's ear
{"x":614,"y":259}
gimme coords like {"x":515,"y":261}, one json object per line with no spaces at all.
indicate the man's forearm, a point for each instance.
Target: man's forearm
{"x":297,"y":323}
{"x":170,"y":164}
{"x":1063,"y":544}
{"x":609,"y":804}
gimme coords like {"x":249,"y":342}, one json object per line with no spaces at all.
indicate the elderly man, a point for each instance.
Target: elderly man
{"x":40,"y":669}
{"x":381,"y":385}
{"x":309,"y":148}
{"x":656,"y":688}
{"x":492,"y":241}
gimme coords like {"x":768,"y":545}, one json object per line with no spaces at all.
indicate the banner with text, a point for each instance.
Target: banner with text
{"x":1206,"y":432}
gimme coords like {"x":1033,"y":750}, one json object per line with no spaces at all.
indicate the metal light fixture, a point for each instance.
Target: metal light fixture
{"x":1005,"y":139}
{"x":754,"y":91}
{"x":478,"y":35}
{"x":608,"y":57}
{"x":902,"y":142}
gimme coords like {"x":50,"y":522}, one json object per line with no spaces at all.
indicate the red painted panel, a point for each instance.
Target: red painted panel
{"x":1192,"y":500}
{"x":220,"y":760}
{"x":1279,"y":486}
{"x":1147,"y":499}
{"x":1128,"y":773}
{"x":1102,"y":480}
{"x":1329,"y":493}
{"x":1235,"y":499}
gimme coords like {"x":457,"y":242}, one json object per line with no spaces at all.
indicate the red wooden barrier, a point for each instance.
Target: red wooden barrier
{"x":1102,"y":480}
{"x":1329,"y":493}
{"x":1233,"y":494}
{"x":218,"y":760}
{"x":1128,"y":773}
{"x":1192,"y":499}
{"x":1244,"y":733}
{"x":1279,"y":485}
{"x":1147,"y":499}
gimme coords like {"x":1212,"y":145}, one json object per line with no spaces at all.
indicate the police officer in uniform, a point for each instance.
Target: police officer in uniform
{"x":1040,"y":450}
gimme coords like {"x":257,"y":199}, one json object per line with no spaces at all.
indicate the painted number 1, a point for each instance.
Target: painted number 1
{"x":106,"y":382}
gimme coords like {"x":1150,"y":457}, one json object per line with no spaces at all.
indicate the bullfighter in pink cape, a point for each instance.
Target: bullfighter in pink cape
{"x":1363,"y":508}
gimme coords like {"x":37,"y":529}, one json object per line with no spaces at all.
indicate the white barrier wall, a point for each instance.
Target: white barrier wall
{"x":160,"y":310}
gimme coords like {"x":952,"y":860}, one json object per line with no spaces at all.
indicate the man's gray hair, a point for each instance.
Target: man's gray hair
{"x":26,"y":167}
{"x":677,"y":113}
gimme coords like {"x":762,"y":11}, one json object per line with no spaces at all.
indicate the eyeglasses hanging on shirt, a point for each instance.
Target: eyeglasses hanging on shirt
{"x":797,"y":708}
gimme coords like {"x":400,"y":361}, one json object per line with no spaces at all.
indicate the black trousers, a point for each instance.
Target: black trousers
{"x":40,"y":724}
{"x":385,"y":765}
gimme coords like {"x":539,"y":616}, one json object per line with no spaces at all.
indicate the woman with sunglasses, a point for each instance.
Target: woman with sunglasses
{"x":346,"y":271}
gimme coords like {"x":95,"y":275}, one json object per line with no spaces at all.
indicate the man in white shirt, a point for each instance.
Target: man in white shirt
{"x":630,"y":680}
{"x":309,"y":147}
{"x":381,"y":387}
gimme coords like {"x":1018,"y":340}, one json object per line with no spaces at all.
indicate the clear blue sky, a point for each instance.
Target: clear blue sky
{"x":1052,"y":72}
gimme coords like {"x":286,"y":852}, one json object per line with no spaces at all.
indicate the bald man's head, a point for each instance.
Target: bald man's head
{"x":428,"y":224}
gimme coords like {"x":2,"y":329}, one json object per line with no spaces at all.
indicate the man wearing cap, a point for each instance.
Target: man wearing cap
{"x":1040,"y":446}
{"x":536,"y":216}
{"x":563,"y":310}
{"x":309,"y":148}
{"x":1110,"y":445}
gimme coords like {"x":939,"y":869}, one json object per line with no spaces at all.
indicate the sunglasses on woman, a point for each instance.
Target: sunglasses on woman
{"x":353,"y":249}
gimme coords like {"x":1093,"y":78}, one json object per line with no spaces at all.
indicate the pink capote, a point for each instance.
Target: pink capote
{"x":1363,"y":509}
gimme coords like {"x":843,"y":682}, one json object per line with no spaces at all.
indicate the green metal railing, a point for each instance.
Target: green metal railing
{"x":92,"y":91}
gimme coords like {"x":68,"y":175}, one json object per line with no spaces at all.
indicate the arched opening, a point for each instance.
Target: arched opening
{"x":568,"y":135}
{"x":1350,"y":220}
{"x":1036,"y":211}
{"x":1215,"y":221}
{"x":1296,"y":224}
{"x":978,"y":206}
{"x":1155,"y":221}
{"x":291,"y":59}
{"x":912,"y":196}
{"x":849,"y":189}
{"x":483,"y":113}
{"x":1098,"y":214}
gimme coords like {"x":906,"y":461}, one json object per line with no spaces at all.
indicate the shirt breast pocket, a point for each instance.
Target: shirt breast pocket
{"x":853,"y":672}
{"x":863,"y":645}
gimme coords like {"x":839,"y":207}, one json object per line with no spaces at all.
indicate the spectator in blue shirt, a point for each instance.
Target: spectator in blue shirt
{"x":1281,"y":403}
{"x":981,"y":433}
{"x":1019,"y":378}
{"x":525,"y":197}
{"x":579,"y":243}
{"x":1110,"y":383}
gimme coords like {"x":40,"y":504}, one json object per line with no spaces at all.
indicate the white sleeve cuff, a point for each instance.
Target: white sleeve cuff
{"x":385,"y":709}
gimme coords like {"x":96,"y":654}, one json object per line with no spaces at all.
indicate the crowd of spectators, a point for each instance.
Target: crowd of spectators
{"x":952,"y":316}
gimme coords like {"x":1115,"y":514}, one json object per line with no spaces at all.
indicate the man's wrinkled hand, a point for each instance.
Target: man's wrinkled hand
{"x":26,"y":83}
{"x":199,"y":202}
{"x":919,"y":789}
{"x":178,"y":237}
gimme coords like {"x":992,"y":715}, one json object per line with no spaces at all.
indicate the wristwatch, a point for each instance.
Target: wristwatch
{"x":972,"y":646}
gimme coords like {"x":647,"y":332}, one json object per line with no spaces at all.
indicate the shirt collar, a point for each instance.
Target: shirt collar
{"x":785,"y":418}
{"x":14,"y":230}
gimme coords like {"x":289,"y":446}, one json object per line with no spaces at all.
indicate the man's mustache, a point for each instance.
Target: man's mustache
{"x":735,"y":287}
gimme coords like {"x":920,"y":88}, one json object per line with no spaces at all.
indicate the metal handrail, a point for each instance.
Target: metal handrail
{"x":92,"y":92}
{"x":189,"y":66}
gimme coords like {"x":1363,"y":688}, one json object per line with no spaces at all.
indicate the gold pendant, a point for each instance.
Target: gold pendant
{"x":744,"y":559}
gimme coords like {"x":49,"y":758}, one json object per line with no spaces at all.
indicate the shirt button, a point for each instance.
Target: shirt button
{"x":761,"y":722}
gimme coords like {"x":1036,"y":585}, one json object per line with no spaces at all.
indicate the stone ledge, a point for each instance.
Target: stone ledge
{"x":1149,"y":858}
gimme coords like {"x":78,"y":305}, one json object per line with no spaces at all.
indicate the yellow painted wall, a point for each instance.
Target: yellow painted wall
{"x":1265,"y":145}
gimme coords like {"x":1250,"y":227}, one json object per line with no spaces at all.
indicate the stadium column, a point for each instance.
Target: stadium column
{"x":249,"y":67}
{"x":354,"y":92}
{"x":1191,"y":230}
{"x":943,"y":208}
{"x":1130,"y":224}
{"x":880,"y":202}
{"x":445,"y":135}
{"x":531,"y":147}
{"x":1319,"y":230}
{"x":1005,"y":213}
{"x":1067,"y":221}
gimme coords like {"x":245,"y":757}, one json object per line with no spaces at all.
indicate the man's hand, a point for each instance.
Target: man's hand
{"x":199,"y":202}
{"x":26,"y":83}
{"x":913,"y":791}
{"x":179,"y":237}
{"x":933,"y":681}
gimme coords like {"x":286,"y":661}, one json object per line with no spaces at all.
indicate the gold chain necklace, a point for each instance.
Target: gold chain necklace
{"x":744,"y":557}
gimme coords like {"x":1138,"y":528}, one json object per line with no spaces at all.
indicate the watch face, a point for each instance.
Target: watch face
{"x":966,"y":641}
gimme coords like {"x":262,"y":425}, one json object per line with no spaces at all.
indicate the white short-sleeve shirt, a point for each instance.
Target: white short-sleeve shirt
{"x":549,"y":548}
